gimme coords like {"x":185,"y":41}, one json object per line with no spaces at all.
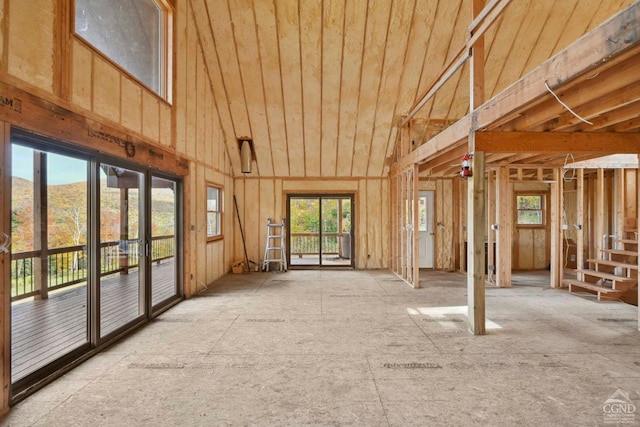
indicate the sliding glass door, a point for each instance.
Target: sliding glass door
{"x":164,"y":243}
{"x":320,"y":230}
{"x":95,"y":252}
{"x":122,"y":251}
{"x":49,"y":292}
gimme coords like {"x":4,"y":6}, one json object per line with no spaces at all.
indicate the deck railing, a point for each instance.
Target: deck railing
{"x":68,"y":265}
{"x":309,"y":243}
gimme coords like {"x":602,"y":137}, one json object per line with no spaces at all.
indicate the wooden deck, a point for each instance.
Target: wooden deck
{"x":44,"y":330}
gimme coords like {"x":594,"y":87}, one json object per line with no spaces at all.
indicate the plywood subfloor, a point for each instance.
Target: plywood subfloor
{"x":311,"y":347}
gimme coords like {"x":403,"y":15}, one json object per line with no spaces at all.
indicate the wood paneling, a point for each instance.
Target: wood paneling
{"x":106,"y":89}
{"x":319,"y":85}
{"x":264,"y":198}
{"x":81,"y":76}
{"x":31,"y":35}
{"x":132,"y":108}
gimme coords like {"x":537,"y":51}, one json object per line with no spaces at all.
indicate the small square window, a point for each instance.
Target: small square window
{"x":214,"y":211}
{"x":530,"y":209}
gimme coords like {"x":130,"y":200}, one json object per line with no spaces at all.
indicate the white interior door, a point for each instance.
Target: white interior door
{"x":425,"y":229}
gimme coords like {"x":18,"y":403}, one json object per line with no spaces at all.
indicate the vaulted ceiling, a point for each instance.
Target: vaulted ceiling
{"x":318,"y":85}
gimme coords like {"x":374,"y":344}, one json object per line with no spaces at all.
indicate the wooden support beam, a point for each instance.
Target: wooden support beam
{"x":491,"y":219}
{"x":476,"y":76}
{"x":445,"y":159}
{"x":416,"y":233}
{"x":476,"y":222}
{"x":588,"y":53}
{"x":40,"y":225}
{"x":580,"y":221}
{"x":558,"y":142}
{"x":5,"y":266}
{"x":638,"y":225}
{"x":619,"y":205}
{"x":557,"y":265}
{"x":403,"y":225}
{"x":485,"y":18}
{"x":394,"y":223}
{"x":504,"y":207}
{"x":584,"y":55}
{"x":588,"y":104}
{"x":24,"y":109}
{"x":456,"y":133}
{"x":599,"y":214}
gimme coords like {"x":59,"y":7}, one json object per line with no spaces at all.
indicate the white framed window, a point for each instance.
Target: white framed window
{"x":214,"y":212}
{"x":133,"y":34}
{"x":530,"y":209}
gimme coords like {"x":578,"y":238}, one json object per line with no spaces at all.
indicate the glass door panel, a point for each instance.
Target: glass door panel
{"x":49,"y":301}
{"x":336,"y":231}
{"x":163,"y":240}
{"x":320,"y":230}
{"x":121,"y":290}
{"x":304,"y":230}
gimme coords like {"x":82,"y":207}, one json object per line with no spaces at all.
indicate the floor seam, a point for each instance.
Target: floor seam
{"x":424,"y":333}
{"x":222,"y":336}
{"x":375,"y":384}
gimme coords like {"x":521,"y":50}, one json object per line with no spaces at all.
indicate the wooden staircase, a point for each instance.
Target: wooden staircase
{"x":614,"y":276}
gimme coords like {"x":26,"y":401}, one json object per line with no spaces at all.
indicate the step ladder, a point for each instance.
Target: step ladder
{"x":274,"y":251}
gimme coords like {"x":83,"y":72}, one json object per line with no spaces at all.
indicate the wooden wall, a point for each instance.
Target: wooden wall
{"x":262,"y":198}
{"x":531,"y":250}
{"x":72,"y":88}
{"x":54,"y":65}
{"x":199,"y":136}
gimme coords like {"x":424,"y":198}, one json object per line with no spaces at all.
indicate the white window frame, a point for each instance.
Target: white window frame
{"x":216,"y":209}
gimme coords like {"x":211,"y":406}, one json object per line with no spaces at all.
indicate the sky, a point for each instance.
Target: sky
{"x":62,"y":169}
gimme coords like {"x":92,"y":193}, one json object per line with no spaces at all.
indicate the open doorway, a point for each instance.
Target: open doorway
{"x":320,"y":232}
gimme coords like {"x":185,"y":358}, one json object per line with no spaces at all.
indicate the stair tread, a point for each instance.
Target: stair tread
{"x":620,"y":252}
{"x":629,"y":241}
{"x":613,"y":263}
{"x":605,"y":275}
{"x":592,"y":286}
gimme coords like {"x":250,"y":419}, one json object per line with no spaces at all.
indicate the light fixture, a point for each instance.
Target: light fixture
{"x":245,"y":156}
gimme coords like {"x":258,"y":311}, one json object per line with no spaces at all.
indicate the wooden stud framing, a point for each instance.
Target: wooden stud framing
{"x":40,"y":229}
{"x":5,"y":265}
{"x":619,"y":205}
{"x":415,"y":227}
{"x":598,"y":235}
{"x":504,"y":201}
{"x":24,"y":109}
{"x":403,"y":226}
{"x":556,"y":230}
{"x":491,"y":219}
{"x":558,"y":142}
{"x":476,"y":221}
{"x":393,"y":220}
{"x":580,"y":220}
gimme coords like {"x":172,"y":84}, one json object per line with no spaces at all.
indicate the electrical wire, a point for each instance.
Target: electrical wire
{"x":564,"y":168}
{"x":565,"y":105}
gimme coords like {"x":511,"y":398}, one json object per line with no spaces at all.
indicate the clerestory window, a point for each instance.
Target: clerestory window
{"x":134,"y":34}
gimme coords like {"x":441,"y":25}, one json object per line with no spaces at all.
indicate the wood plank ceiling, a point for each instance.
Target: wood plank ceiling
{"x":319,"y":84}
